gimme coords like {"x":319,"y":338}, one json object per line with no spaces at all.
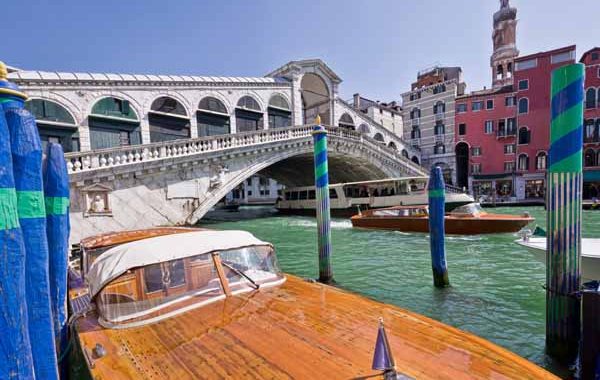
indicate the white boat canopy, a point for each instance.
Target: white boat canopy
{"x":118,"y":260}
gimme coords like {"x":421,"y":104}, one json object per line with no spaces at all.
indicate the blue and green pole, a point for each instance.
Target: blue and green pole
{"x":322,"y":202}
{"x":563,"y":253}
{"x":437,"y":200}
{"x":16,"y":360}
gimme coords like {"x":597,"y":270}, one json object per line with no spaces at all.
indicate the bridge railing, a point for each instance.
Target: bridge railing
{"x":132,"y":154}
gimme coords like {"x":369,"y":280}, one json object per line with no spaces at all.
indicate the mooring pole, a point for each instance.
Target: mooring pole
{"x":563,"y":253}
{"x":322,"y":202}
{"x":437,"y":200}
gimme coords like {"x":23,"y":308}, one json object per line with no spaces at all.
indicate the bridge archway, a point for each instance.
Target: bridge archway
{"x":113,"y":122}
{"x":280,"y":114}
{"x":379,"y":137}
{"x":415,"y":159}
{"x":364,"y":128}
{"x":346,"y":121}
{"x":248,"y":114}
{"x":168,"y":120}
{"x":316,"y":99}
{"x":55,"y":124}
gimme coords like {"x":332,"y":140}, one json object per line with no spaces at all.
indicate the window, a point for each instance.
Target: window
{"x":415,"y":113}
{"x":489,"y":104}
{"x":248,"y":102}
{"x":589,"y":131}
{"x":477,"y":106}
{"x":489,"y":127}
{"x":524,"y":84}
{"x":415,"y":133}
{"x":439,"y":129}
{"x":312,"y":194}
{"x":461,"y":108}
{"x":475,"y":168}
{"x":540,"y":161}
{"x":524,"y":136}
{"x":523,"y":162}
{"x":439,"y":108}
{"x":332,"y":194}
{"x":346,"y":122}
{"x":589,"y":158}
{"x":439,"y":88}
{"x":280,"y":115}
{"x":303,"y":195}
{"x":509,"y":148}
{"x":509,"y":166}
{"x":523,"y":105}
{"x":153,"y":278}
{"x":510,"y":101}
{"x":511,"y":126}
{"x":563,"y":57}
{"x":212,"y":117}
{"x":462,"y":129}
{"x":415,"y":95}
{"x":594,"y":56}
{"x":525,"y":65}
{"x":590,"y":98}
{"x":476,"y":151}
{"x":439,"y":148}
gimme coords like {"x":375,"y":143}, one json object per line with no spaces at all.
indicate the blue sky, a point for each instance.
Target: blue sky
{"x":376,"y":46}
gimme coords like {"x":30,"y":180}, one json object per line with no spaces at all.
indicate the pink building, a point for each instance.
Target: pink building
{"x":591,"y":131}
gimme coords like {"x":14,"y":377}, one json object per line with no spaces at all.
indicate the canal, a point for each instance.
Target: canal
{"x":496,"y":286}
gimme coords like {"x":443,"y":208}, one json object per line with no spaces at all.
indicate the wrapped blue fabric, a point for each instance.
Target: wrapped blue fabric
{"x":26,"y":151}
{"x":56,"y":192}
{"x":15,"y":351}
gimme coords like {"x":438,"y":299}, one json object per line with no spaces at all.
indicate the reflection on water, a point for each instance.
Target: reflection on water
{"x":496,"y":287}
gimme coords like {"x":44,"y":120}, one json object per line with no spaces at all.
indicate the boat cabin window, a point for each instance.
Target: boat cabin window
{"x":397,"y":212}
{"x":287,"y":195}
{"x":311,"y":194}
{"x":294,"y":196}
{"x":469,"y":209}
{"x":156,"y":291}
{"x":333,"y":194}
{"x":303,"y":195}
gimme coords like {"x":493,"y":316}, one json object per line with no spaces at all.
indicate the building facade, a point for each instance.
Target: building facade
{"x":591,"y":132}
{"x":256,"y":190}
{"x":428,"y":111}
{"x":503,"y":133}
{"x":389,"y":115}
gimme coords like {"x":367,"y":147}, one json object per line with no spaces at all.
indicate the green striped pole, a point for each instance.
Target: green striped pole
{"x":322,"y":202}
{"x":563,"y":253}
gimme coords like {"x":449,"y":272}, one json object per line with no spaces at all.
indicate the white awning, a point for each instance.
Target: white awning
{"x":118,"y":260}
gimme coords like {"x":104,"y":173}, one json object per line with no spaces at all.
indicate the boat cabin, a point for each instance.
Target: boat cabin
{"x":151,"y":279}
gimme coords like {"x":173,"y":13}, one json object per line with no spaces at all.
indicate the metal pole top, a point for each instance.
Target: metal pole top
{"x":318,"y":128}
{"x":6,"y":87}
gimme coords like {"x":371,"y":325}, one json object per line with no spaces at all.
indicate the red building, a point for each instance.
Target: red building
{"x":503,"y":133}
{"x":591,"y":129}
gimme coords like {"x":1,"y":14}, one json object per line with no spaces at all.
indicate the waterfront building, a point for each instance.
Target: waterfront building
{"x":389,"y":115}
{"x":591,"y":132}
{"x":256,"y":190}
{"x":503,"y":133}
{"x":428,"y":115}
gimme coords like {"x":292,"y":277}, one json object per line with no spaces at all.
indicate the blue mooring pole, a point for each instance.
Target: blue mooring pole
{"x":322,"y":202}
{"x":437,"y":201}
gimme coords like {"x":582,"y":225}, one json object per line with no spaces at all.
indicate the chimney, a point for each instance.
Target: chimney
{"x":357,"y":101}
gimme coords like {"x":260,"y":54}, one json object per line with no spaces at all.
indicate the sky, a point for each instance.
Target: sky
{"x":375,"y":46}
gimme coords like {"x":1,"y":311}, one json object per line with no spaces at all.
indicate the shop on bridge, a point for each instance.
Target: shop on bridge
{"x":55,"y":124}
{"x":248,"y":115}
{"x":113,"y":123}
{"x":212,"y":117}
{"x":168,"y":120}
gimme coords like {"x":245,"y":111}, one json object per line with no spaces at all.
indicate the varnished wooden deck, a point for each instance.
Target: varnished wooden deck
{"x":298,"y":330}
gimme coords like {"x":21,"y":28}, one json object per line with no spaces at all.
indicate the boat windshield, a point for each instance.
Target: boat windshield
{"x":157,"y":291}
{"x":469,"y":209}
{"x":414,"y":212}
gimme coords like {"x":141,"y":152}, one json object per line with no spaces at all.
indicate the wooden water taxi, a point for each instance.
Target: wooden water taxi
{"x":174,"y":303}
{"x":469,"y":219}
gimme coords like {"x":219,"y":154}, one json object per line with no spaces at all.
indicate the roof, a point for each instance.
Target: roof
{"x":118,"y":260}
{"x":545,"y":53}
{"x":110,"y":77}
{"x":314,"y":62}
{"x":594,"y":49}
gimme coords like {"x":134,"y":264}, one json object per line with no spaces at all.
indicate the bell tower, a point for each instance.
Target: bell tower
{"x":505,"y":45}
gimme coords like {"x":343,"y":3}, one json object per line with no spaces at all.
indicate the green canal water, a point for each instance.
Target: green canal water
{"x":496,"y":286}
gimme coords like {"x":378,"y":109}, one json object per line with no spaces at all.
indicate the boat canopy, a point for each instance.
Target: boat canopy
{"x":118,"y":260}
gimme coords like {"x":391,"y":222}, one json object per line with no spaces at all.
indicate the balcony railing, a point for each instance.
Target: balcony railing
{"x":440,"y":116}
{"x":592,"y":139}
{"x":415,"y":122}
{"x":508,"y":132}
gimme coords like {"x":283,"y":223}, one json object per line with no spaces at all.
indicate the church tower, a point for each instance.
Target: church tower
{"x":505,"y":46}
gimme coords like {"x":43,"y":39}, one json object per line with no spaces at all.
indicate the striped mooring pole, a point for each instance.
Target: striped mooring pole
{"x":322,"y":202}
{"x":437,"y":200}
{"x":563,"y":253}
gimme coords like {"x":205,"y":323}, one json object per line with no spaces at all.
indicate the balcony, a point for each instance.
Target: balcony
{"x":506,"y":132}
{"x":440,"y":116}
{"x":415,"y":142}
{"x":416,"y":121}
{"x":439,"y":138}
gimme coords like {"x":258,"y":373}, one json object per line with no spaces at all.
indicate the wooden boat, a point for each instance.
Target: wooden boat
{"x":470,"y":219}
{"x":214,"y":304}
{"x":590,"y":254}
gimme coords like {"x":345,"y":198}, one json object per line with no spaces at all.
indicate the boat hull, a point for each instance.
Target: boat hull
{"x":452,"y":225}
{"x":590,"y":255}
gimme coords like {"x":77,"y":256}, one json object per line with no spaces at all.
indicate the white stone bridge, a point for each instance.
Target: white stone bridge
{"x":177,"y":182}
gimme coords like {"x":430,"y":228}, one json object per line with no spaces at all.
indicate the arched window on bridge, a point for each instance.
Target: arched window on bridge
{"x":347,"y":122}
{"x":168,"y":120}
{"x":415,"y":159}
{"x":392,"y":145}
{"x":280,"y":115}
{"x":405,"y":153}
{"x":364,"y":128}
{"x":212,"y":117}
{"x":248,"y":115}
{"x":55,"y":124}
{"x":112,"y":123}
{"x":379,"y":137}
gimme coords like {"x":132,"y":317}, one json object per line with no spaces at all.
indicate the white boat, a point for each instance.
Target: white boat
{"x":346,"y":198}
{"x":590,"y":254}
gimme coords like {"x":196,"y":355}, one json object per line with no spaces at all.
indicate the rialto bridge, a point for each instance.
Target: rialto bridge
{"x":149,"y":150}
